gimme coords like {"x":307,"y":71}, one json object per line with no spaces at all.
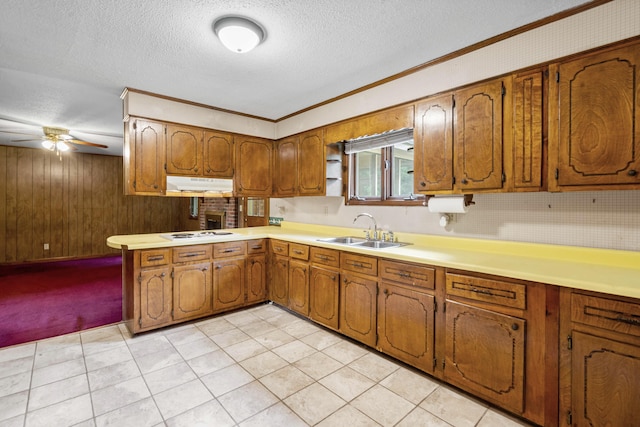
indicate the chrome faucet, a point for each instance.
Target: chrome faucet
{"x":375,"y":225}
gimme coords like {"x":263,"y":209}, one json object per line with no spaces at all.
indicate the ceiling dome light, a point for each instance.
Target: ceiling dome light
{"x":238,"y":34}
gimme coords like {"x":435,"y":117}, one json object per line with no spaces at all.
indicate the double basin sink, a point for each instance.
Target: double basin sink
{"x":363,"y":243}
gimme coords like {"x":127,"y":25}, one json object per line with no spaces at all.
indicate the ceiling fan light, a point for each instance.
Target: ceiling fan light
{"x":238,"y":34}
{"x":48,"y":144}
{"x":62,"y":146}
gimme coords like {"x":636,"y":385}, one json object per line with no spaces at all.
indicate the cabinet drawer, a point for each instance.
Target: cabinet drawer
{"x":329,"y":257}
{"x":507,"y":294}
{"x":257,"y":246}
{"x":229,"y":249}
{"x":359,"y":263}
{"x":409,"y":274}
{"x":618,"y":316}
{"x":299,"y":251}
{"x":192,"y":253}
{"x":279,"y":248}
{"x":154,"y":257}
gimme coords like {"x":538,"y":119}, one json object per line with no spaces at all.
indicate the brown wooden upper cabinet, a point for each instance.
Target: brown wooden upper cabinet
{"x":300,"y":165}
{"x":594,"y":131}
{"x":184,"y":150}
{"x":194,"y":151}
{"x":218,"y":154}
{"x":460,"y":140}
{"x":528,"y":130}
{"x":254,"y":166}
{"x":145,"y":147}
{"x":478,"y":140}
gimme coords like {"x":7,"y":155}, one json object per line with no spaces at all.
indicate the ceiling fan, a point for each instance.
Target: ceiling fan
{"x":59,"y":140}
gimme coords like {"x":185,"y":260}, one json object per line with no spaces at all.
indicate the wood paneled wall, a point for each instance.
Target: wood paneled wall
{"x":72,"y":204}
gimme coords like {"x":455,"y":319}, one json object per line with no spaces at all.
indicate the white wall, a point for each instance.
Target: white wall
{"x":600,"y":219}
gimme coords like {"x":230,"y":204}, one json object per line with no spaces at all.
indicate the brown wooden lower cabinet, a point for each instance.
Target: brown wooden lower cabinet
{"x":155,"y":294}
{"x":256,"y":278}
{"x":229,"y":279}
{"x":358,"y":308}
{"x":324,"y":290}
{"x":192,"y":288}
{"x":485,"y":354}
{"x":599,"y":359}
{"x":299,"y":286}
{"x":406,"y":325}
{"x":279,"y":280}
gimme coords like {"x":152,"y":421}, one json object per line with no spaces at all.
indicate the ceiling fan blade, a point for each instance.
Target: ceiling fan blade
{"x":18,"y":132}
{"x":28,"y":140}
{"x":90,"y":144}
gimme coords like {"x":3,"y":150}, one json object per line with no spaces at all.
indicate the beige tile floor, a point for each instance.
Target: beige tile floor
{"x":258,"y":367}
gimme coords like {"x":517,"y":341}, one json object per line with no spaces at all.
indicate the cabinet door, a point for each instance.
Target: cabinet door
{"x":299,"y":287}
{"x":149,"y":155}
{"x":184,"y":150}
{"x":358,"y":298}
{"x":256,"y":278}
{"x":228,"y":283}
{"x":433,"y":145}
{"x":478,"y":138}
{"x":218,"y":154}
{"x":312,"y":165}
{"x":324,"y":288}
{"x":254,"y":167}
{"x":485,"y":354}
{"x":605,"y":378}
{"x":286,"y":168}
{"x":406,"y":325}
{"x":597,"y":138}
{"x":279,"y":283}
{"x":527,"y":131}
{"x":155,"y":297}
{"x":191,"y":290}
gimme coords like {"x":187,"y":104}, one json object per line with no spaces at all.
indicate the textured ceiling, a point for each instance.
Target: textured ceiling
{"x":66,"y":62}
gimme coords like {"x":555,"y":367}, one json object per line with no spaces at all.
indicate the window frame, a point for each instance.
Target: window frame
{"x":386,"y":185}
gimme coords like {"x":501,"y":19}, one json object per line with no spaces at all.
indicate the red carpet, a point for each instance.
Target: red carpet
{"x":47,"y":299}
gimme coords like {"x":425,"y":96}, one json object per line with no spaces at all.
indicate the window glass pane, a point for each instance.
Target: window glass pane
{"x":367,"y":174}
{"x":402,"y":164}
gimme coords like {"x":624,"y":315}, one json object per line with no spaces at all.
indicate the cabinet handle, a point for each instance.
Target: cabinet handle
{"x":228,"y":251}
{"x":297,"y":251}
{"x":481,"y":291}
{"x":632,"y":172}
{"x":156,"y":258}
{"x":256,"y":247}
{"x":192,"y":254}
{"x":322,"y":257}
{"x":515,"y":326}
{"x":404,"y":274}
{"x":628,"y":320}
{"x":278,"y":249}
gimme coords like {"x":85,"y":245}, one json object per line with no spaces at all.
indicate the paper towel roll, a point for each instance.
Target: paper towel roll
{"x":449,"y":204}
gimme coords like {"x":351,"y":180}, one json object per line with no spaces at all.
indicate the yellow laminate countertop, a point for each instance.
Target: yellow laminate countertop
{"x":602,"y":270}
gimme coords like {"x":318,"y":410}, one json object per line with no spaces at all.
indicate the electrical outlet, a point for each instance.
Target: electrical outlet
{"x":46,"y":246}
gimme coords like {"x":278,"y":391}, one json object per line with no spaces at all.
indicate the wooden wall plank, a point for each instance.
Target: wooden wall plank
{"x":73,"y":205}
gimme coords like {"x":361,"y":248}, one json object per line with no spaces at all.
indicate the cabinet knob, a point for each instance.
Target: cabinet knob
{"x":333,"y":277}
{"x":386,"y":292}
{"x":423,"y":184}
{"x":515,"y":327}
{"x":218,"y":267}
{"x":344,"y":280}
{"x":632,"y":172}
{"x":163,"y":274}
{"x":205,"y":268}
{"x":464,"y":181}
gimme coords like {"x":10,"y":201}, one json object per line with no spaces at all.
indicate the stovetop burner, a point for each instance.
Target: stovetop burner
{"x":182,"y":235}
{"x":198,"y":235}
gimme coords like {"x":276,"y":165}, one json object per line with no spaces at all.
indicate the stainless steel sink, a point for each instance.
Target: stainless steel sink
{"x":359,"y":241}
{"x":379,"y":244}
{"x":345,"y":240}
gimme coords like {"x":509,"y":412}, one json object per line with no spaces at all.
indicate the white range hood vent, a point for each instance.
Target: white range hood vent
{"x":189,"y":184}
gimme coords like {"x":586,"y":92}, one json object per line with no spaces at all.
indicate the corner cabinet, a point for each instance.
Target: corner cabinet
{"x":595,"y":141}
{"x":599,"y":359}
{"x":300,"y":166}
{"x":144,"y":157}
{"x":254,"y":166}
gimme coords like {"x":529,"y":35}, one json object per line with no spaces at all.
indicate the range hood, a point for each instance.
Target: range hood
{"x":207,"y":187}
